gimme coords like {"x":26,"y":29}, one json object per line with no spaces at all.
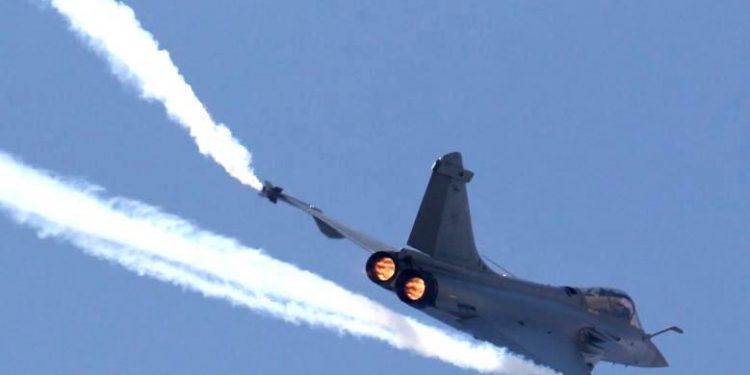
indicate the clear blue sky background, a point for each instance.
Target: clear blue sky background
{"x":610,"y":142}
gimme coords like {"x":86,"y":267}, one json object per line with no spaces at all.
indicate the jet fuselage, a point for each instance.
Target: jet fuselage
{"x":492,"y":306}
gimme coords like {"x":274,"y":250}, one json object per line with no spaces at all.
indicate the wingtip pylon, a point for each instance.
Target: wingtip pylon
{"x":271,"y":192}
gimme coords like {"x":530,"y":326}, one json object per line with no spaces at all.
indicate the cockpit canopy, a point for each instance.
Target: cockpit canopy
{"x":611,"y":302}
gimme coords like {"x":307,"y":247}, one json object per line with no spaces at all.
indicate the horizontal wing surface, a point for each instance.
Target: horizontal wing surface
{"x":330,"y":227}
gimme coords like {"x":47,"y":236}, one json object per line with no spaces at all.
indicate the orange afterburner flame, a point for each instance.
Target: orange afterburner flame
{"x":385,"y":268}
{"x":415,"y":288}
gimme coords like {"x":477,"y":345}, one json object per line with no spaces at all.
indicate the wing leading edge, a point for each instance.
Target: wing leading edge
{"x":330,"y":227}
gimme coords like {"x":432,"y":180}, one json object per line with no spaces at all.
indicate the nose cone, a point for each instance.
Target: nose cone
{"x":657,"y":359}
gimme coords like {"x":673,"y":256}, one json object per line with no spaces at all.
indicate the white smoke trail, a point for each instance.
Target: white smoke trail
{"x":112,"y":29}
{"x":149,"y":242}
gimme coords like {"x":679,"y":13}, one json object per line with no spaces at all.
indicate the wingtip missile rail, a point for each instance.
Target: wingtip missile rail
{"x":271,"y":192}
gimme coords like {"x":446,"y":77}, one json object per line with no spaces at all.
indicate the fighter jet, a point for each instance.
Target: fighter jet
{"x":441,"y":273}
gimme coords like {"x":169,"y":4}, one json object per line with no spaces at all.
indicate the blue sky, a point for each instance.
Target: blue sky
{"x":610,"y":142}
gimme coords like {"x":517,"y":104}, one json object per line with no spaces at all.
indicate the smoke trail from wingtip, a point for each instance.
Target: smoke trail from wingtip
{"x":149,"y":242}
{"x":165,"y":247}
{"x":112,"y":29}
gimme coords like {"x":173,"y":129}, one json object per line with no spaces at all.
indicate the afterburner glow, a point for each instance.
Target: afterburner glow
{"x":385,"y":269}
{"x":415,"y":288}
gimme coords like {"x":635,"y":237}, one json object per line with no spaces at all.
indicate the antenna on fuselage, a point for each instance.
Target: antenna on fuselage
{"x":505,"y":272}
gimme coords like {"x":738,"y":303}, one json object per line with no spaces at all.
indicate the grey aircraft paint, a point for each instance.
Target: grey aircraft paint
{"x":441,"y":273}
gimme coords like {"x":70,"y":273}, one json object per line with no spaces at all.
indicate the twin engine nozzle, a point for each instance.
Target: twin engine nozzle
{"x":413,"y":286}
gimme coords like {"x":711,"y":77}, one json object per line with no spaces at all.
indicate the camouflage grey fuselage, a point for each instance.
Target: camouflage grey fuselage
{"x":441,"y":273}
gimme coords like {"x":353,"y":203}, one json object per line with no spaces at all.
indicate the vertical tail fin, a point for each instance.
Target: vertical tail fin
{"x":442,"y":228}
